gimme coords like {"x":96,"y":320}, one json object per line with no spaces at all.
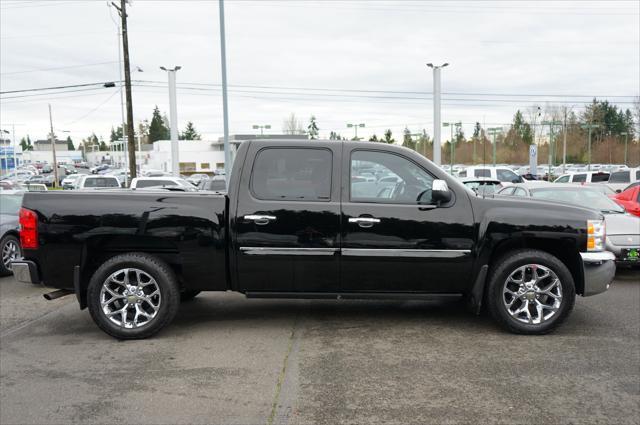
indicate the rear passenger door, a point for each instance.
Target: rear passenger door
{"x":287,"y":220}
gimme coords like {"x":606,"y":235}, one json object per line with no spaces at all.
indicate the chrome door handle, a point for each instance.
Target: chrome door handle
{"x":364,"y":221}
{"x":260,"y":219}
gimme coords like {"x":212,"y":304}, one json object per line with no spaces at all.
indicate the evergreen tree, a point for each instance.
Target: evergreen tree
{"x":25,"y":144}
{"x":158,"y":129}
{"x":374,"y":138}
{"x":190,"y":133}
{"x":70,"y":145}
{"x":313,"y":128}
{"x":407,"y":140}
{"x":102,"y":145}
{"x":388,"y":137}
{"x":476,"y":130}
{"x":116,"y":134}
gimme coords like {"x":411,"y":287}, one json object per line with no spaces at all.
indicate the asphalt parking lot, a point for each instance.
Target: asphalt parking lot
{"x":229,"y":360}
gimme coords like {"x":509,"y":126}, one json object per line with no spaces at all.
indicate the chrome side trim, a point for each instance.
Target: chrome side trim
{"x":414,"y":253}
{"x":249,"y":250}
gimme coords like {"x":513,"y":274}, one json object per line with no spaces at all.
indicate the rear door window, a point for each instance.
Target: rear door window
{"x":599,"y":177}
{"x":506,"y":175}
{"x":296,"y":174}
{"x":579,"y":178}
{"x":482,"y":172}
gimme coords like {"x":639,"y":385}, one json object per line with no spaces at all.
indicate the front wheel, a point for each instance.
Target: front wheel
{"x":133,"y":296}
{"x":530,"y":292}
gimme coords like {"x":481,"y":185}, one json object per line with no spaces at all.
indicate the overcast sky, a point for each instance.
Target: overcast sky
{"x":342,"y":61}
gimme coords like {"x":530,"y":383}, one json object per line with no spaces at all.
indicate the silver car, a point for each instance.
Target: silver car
{"x":10,"y":202}
{"x":623,"y":230}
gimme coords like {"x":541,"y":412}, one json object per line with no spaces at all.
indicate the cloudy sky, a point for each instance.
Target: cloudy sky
{"x":342,"y":61}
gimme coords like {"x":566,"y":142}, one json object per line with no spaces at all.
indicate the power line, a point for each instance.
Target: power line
{"x":54,"y":88}
{"x":58,"y":68}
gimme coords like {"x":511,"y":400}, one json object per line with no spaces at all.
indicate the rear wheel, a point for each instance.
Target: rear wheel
{"x":10,"y":250}
{"x":133,"y":296}
{"x":530,"y":292}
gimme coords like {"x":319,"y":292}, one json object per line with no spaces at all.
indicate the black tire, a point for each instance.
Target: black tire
{"x":166,"y":283}
{"x":188,"y":295}
{"x":4,"y":269}
{"x":508,"y":264}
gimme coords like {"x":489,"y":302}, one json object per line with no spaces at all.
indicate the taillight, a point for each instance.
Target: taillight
{"x":28,"y":229}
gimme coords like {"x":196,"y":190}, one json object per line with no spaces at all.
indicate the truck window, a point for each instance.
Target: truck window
{"x":101,"y":182}
{"x":579,"y":178}
{"x":141,"y":184}
{"x":563,"y":179}
{"x":411,"y":180}
{"x":599,"y":177}
{"x":296,"y":174}
{"x":506,"y":175}
{"x":482,"y":172}
{"x":619,"y":177}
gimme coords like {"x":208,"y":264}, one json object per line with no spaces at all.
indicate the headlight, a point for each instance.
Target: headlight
{"x":595,"y":235}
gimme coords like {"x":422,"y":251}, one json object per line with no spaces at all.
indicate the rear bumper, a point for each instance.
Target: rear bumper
{"x":599,"y":268}
{"x":25,"y":271}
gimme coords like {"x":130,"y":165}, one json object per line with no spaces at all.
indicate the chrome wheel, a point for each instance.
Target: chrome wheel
{"x":10,"y":252}
{"x":532,"y":294}
{"x":130,"y":298}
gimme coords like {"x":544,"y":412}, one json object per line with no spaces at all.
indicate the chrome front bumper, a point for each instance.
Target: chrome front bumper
{"x":25,"y":271}
{"x":598,"y":268}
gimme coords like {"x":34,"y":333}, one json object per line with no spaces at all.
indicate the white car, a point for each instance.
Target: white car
{"x":69,"y":181}
{"x":583,"y":177}
{"x":162,"y":182}
{"x":619,"y":180}
{"x":504,"y":174}
{"x":89,"y":181}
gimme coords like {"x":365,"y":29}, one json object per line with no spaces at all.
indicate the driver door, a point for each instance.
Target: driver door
{"x":390,"y":241}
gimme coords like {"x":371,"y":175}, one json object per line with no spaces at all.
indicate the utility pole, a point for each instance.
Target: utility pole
{"x":493,"y":131}
{"x":626,"y":136}
{"x":225,"y":112}
{"x":53,"y":148}
{"x":452,"y":142}
{"x":589,"y":127}
{"x":131,"y":147}
{"x":551,"y":125}
{"x":173,"y":114}
{"x":355,"y":127}
{"x":564,"y":141}
{"x":437,"y":159}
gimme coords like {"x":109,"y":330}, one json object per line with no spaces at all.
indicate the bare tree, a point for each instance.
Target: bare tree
{"x":292,"y":125}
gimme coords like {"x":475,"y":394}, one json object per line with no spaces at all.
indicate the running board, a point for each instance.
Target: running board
{"x":356,"y":295}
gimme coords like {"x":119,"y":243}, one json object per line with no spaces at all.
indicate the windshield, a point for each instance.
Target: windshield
{"x":587,"y":198}
{"x":10,"y":204}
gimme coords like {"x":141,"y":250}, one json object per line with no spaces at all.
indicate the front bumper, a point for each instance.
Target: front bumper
{"x":25,"y":271}
{"x":598,"y":268}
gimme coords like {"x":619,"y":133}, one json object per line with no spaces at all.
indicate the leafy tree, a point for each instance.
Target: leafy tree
{"x":312,"y":128}
{"x":388,"y":137}
{"x":476,"y":130}
{"x":190,"y":133}
{"x":70,"y":145}
{"x":374,"y":138}
{"x":291,"y":125}
{"x":143,"y":131}
{"x":158,"y":129}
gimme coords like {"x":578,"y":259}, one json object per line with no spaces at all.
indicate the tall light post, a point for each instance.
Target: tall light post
{"x":436,"y":111}
{"x":452,"y":155}
{"x":225,"y":111}
{"x":173,"y":116}
{"x":626,"y":137}
{"x":551,"y":125}
{"x":6,"y":160}
{"x":589,"y":127}
{"x":493,"y":131}
{"x":262,"y":128}
{"x":355,"y":127}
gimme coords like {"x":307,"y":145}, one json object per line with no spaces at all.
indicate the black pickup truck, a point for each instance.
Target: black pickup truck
{"x":314,"y":219}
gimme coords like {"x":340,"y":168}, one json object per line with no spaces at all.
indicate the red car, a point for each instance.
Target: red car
{"x":629,"y":199}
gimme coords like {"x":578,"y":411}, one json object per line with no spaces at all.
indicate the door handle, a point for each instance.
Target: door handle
{"x":364,"y":221}
{"x":260,"y":219}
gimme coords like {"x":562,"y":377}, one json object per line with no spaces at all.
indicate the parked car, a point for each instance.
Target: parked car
{"x":195,"y":179}
{"x":69,"y":181}
{"x":291,"y":226}
{"x":502,"y":174}
{"x":623,"y":230}
{"x":629,"y":198}
{"x":162,"y":182}
{"x":216,"y":184}
{"x":583,"y":177}
{"x":88,"y":181}
{"x":482,"y":186}
{"x":619,"y":180}
{"x":10,"y":250}
{"x":98,"y":168}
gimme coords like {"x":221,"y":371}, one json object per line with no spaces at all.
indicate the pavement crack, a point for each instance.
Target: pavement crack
{"x":283,"y":373}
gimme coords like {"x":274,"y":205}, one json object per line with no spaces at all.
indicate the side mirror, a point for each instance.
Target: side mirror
{"x":440,"y":193}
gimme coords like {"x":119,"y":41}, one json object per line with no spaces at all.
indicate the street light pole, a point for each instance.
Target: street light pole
{"x":589,"y":127}
{"x":626,"y":136}
{"x":262,"y":127}
{"x":53,"y":148}
{"x":173,"y":116}
{"x":436,"y":111}
{"x":355,"y":127}
{"x":493,"y":131}
{"x":551,"y":125}
{"x":225,"y":112}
